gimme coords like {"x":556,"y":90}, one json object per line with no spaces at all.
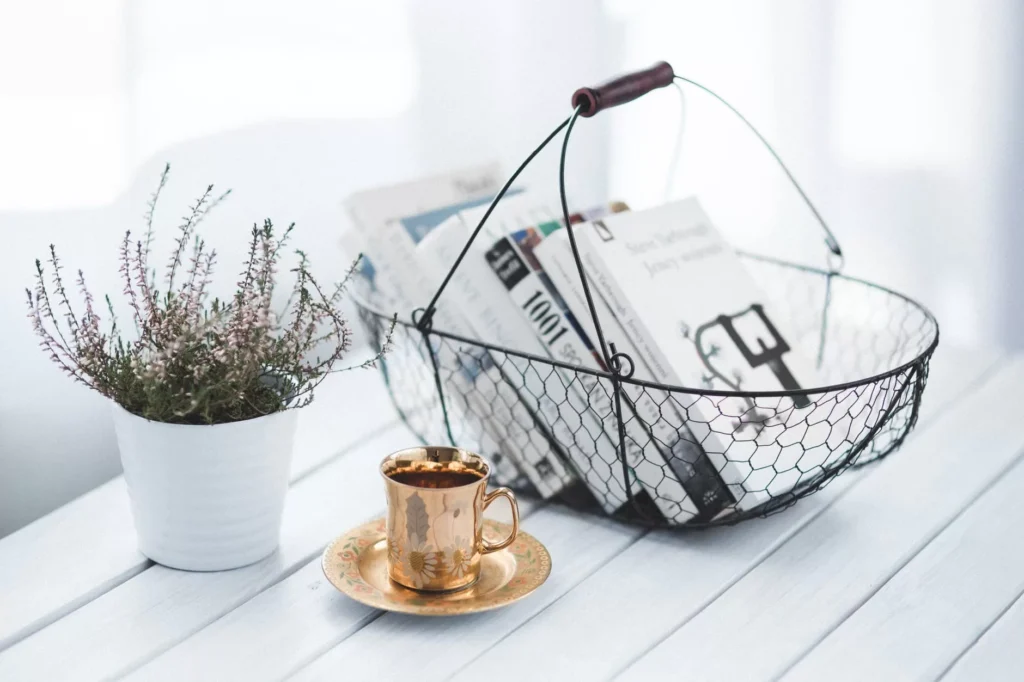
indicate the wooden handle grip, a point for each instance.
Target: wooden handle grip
{"x":622,"y":89}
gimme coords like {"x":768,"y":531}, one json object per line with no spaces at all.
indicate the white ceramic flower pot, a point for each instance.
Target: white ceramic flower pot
{"x":206,"y":498}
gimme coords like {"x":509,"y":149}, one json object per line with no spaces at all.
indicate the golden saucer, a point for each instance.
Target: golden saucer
{"x":356,"y":563}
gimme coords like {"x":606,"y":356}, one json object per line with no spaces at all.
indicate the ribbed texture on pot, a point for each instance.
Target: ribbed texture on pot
{"x":206,"y":498}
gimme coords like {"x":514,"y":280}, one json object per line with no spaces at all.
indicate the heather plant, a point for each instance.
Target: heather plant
{"x":193,"y":359}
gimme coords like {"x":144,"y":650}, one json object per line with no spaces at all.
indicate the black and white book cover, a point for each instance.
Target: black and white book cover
{"x":685,"y":296}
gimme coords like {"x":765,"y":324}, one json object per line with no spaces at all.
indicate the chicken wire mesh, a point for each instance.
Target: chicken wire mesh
{"x":692,"y":456}
{"x":662,"y":455}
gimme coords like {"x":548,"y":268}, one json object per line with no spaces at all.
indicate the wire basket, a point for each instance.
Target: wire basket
{"x":872,"y":346}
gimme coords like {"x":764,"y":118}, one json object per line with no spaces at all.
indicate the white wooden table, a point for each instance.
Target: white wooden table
{"x":909,"y":569}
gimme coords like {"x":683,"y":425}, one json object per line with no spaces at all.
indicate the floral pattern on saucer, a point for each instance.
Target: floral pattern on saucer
{"x":355,"y":563}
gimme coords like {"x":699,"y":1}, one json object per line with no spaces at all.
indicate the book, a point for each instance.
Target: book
{"x":525,"y":210}
{"x":421,"y":413}
{"x":680,"y":476}
{"x":698,"y":319}
{"x":660,"y":455}
{"x":378,"y":216}
{"x":512,"y":419}
{"x":495,"y":319}
{"x":581,"y":410}
{"x":557,"y":401}
{"x":500,"y":437}
{"x":389,"y":222}
{"x":588,"y":399}
{"x":510,"y":214}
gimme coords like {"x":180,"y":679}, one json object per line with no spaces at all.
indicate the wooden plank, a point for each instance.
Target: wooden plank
{"x":36,"y":587}
{"x":916,"y":626}
{"x":396,"y":646}
{"x":673,"y":576}
{"x":997,"y":655}
{"x":276,"y":632}
{"x":160,"y":607}
{"x":814,"y":581}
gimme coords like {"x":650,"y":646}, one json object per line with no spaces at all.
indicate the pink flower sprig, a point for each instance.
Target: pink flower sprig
{"x":194,"y":360}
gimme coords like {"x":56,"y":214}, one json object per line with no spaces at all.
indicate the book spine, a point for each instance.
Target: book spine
{"x":495,"y":448}
{"x":583,"y":404}
{"x":476,"y":372}
{"x":510,"y":410}
{"x":510,"y":424}
{"x":486,"y":393}
{"x":687,"y":488}
{"x":519,"y":437}
{"x":546,"y":395}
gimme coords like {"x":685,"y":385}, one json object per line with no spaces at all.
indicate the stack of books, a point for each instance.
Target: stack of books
{"x":669,"y":292}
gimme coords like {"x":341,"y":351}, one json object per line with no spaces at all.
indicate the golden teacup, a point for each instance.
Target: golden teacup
{"x":436,"y":501}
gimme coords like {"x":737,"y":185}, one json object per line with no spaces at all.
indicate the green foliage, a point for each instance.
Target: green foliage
{"x":193,"y":360}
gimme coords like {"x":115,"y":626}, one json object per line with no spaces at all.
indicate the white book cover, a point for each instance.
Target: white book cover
{"x":680,"y":289}
{"x":583,"y":408}
{"x":511,"y":213}
{"x":389,"y":222}
{"x":373,"y":207}
{"x":474,"y":291}
{"x":500,"y":321}
{"x":495,"y":397}
{"x":686,"y":484}
{"x":355,"y":246}
{"x":543,"y":309}
{"x":483,"y":298}
{"x":473,"y":375}
{"x":538,"y":456}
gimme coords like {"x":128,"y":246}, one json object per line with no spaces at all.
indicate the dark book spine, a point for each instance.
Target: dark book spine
{"x":699,"y":478}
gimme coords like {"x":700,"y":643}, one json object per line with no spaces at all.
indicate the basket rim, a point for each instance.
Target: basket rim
{"x":919,"y":359}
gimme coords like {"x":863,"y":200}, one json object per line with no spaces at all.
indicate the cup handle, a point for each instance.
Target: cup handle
{"x":491,"y":497}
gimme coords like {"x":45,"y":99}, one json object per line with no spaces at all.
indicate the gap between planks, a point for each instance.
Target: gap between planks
{"x":934,"y":607}
{"x":160,"y":606}
{"x":995,"y":645}
{"x":966,"y":375}
{"x":145,"y":564}
{"x":715,"y":559}
{"x":814,"y":581}
{"x":102,"y":518}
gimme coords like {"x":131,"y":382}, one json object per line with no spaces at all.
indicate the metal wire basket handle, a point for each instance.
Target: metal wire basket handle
{"x":587,"y":102}
{"x":877,"y":370}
